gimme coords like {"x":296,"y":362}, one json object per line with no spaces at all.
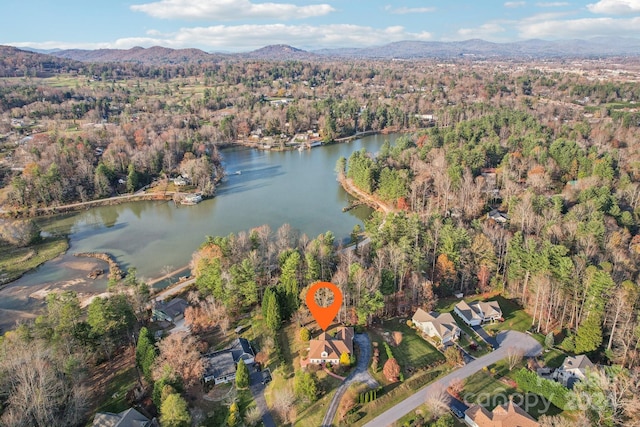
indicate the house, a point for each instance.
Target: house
{"x":241,"y":349}
{"x":128,"y":418}
{"x":478,"y":312}
{"x":220,"y":366}
{"x":326,"y":348}
{"x":441,"y":326}
{"x":180,"y":182}
{"x":573,"y":369}
{"x":171,"y":311}
{"x":497,"y":216}
{"x":507,"y":415}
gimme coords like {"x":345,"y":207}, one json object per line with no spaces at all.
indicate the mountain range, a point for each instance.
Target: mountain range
{"x":475,"y":48}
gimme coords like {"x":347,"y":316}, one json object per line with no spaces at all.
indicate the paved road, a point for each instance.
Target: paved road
{"x":359,"y":375}
{"x":173,"y":290}
{"x":506,"y":340}
{"x":257,"y":390}
{"x":485,"y":336}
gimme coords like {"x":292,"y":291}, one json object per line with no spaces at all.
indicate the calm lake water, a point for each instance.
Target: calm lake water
{"x":298,"y":188}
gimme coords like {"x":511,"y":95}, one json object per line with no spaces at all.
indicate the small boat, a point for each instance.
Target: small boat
{"x":238,"y":172}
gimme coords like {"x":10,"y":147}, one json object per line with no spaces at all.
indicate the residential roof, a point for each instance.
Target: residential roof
{"x":175,"y":307}
{"x":444,"y":323}
{"x":489,"y":308}
{"x":333,"y":346}
{"x":467,"y":311}
{"x":218,"y":365}
{"x":128,"y":418}
{"x":241,"y":347}
{"x":580,"y":362}
{"x":507,"y":415}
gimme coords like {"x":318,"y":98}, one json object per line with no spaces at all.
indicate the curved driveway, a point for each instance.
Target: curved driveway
{"x":506,"y":340}
{"x":359,"y":375}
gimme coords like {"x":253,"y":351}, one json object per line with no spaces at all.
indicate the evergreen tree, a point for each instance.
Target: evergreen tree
{"x":174,"y":412}
{"x":132,"y":178}
{"x":145,"y":352}
{"x":242,"y":375}
{"x":306,"y":387}
{"x":271,"y":310}
{"x":589,"y":334}
{"x":289,"y":285}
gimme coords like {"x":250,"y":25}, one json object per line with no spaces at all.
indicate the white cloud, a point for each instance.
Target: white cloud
{"x":228,"y":10}
{"x":409,"y":10}
{"x":553,"y":4}
{"x":514,"y":4}
{"x":485,"y":31}
{"x":579,"y":28}
{"x":615,"y":7}
{"x":248,"y":37}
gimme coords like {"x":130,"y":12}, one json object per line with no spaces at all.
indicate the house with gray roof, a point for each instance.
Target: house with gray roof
{"x":478,"y":312}
{"x":171,"y":311}
{"x":573,"y":369}
{"x":220,"y":366}
{"x":128,"y":418}
{"x":441,"y":326}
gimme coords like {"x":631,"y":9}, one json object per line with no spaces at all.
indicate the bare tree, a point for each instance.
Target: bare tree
{"x":283,"y":402}
{"x":437,"y":402}
{"x":179,"y":353}
{"x":514,"y":356}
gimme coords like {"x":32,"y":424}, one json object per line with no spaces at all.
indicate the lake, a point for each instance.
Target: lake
{"x":261,"y":187}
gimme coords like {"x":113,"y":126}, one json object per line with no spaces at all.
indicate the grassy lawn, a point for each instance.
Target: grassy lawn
{"x":482,"y":388}
{"x":218,"y":412}
{"x":466,"y":340}
{"x":14,"y":262}
{"x":515,"y":318}
{"x":117,"y":389}
{"x":413,"y":352}
{"x":397,"y":392}
{"x":553,"y":358}
{"x":423,"y":412}
{"x":486,"y":388}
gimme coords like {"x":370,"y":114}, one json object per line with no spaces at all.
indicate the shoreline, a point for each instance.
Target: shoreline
{"x":161,"y":196}
{"x":363,"y":197}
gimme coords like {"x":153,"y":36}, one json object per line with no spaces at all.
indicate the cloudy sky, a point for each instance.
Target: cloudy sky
{"x":242,"y":25}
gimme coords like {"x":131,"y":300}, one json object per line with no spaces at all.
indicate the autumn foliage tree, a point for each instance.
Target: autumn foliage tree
{"x":391,"y":370}
{"x":179,"y":354}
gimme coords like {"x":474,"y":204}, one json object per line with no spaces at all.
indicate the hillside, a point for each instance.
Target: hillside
{"x":15,"y":62}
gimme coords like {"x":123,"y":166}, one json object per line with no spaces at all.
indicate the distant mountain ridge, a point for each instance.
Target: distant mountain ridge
{"x":535,"y":48}
{"x":151,"y":55}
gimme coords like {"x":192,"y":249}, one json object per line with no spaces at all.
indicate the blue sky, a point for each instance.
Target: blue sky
{"x":242,"y":25}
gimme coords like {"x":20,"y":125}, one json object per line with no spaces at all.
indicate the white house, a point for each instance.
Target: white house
{"x":573,"y":369}
{"x":478,"y":312}
{"x":441,"y":326}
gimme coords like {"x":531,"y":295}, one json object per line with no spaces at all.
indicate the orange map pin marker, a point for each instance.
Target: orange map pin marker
{"x":324,"y":315}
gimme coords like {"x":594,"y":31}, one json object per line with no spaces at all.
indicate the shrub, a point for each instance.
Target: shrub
{"x":305,"y":335}
{"x":391,"y":370}
{"x":555,"y":392}
{"x":410,"y":323}
{"x":388,"y":350}
{"x":397,"y":338}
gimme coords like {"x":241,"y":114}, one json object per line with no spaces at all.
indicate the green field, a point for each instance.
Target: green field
{"x":413,"y":352}
{"x":14,"y":261}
